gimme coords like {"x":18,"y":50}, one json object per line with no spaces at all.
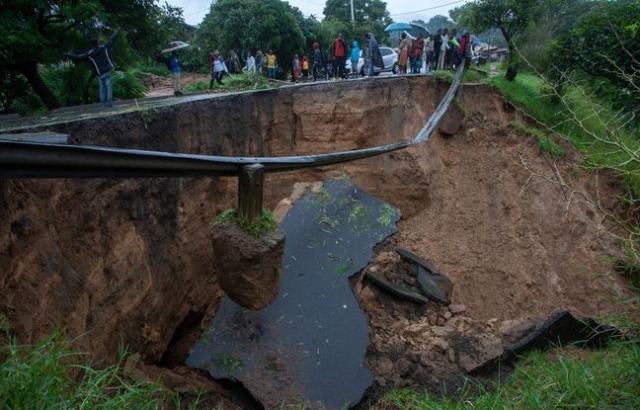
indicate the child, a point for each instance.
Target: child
{"x":296,"y":67}
{"x":305,"y":67}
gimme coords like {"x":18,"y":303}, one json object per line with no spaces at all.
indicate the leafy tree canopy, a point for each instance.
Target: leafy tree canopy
{"x":250,"y":25}
{"x":510,"y":16}
{"x":37,"y":32}
{"x":370,"y":16}
{"x":604,"y":43}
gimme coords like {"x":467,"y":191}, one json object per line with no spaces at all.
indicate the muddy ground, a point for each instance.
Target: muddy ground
{"x":519,"y":233}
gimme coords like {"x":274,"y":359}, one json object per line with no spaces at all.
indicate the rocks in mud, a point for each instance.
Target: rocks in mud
{"x":473,"y":351}
{"x":452,"y":121}
{"x":248,"y":268}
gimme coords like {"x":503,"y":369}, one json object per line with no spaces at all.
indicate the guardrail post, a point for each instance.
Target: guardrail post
{"x":250,"y":184}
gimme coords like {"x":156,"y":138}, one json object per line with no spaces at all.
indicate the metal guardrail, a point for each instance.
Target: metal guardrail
{"x":20,"y":159}
{"x":43,"y":160}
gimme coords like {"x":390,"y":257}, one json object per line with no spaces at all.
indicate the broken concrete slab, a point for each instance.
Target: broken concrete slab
{"x":415,"y":259}
{"x":308,"y":347}
{"x":561,"y":329}
{"x":396,"y":290}
{"x":436,"y":286}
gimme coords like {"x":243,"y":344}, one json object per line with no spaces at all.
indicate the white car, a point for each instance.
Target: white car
{"x":389,"y":57}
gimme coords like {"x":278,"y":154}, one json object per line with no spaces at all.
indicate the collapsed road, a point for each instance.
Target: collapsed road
{"x":131,"y":260}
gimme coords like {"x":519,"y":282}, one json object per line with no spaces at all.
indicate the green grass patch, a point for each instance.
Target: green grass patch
{"x":561,"y":379}
{"x":265,"y":224}
{"x":596,"y":119}
{"x":545,"y":144}
{"x":52,"y":375}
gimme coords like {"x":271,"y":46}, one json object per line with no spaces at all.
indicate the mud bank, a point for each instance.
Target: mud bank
{"x":131,"y":261}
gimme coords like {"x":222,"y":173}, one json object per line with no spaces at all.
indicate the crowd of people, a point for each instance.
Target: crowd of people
{"x":442,"y":50}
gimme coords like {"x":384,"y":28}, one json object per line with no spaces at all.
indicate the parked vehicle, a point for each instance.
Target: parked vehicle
{"x":389,"y":57}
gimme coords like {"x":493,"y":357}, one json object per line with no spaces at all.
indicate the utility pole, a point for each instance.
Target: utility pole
{"x":353,"y":13}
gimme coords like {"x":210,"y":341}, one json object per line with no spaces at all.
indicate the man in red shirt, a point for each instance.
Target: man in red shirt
{"x":340,"y":54}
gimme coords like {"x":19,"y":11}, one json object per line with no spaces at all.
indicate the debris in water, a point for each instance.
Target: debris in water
{"x":275,"y":352}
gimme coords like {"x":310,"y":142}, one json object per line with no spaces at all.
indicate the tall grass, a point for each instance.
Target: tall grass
{"x":562,"y":379}
{"x":595,"y":116}
{"x":51,"y":375}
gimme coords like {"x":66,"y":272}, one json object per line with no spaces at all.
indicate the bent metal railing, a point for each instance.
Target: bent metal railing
{"x":42,"y":160}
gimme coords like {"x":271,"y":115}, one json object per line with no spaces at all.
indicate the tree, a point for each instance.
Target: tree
{"x":37,"y":33}
{"x":250,"y":25}
{"x":604,"y":44}
{"x":438,"y":22}
{"x":40,"y":32}
{"x":510,"y":16}
{"x":370,"y":16}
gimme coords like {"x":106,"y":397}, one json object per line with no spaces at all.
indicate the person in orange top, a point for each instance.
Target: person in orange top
{"x":340,"y":54}
{"x":305,"y":67}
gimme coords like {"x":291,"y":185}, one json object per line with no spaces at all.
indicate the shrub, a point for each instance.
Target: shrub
{"x":266,"y":223}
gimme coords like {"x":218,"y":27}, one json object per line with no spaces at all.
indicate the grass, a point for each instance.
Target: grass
{"x":265,"y":224}
{"x":530,"y":93}
{"x":52,"y":375}
{"x":545,"y":144}
{"x":561,"y":379}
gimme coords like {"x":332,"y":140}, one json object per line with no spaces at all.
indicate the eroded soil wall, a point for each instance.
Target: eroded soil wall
{"x":130,"y":260}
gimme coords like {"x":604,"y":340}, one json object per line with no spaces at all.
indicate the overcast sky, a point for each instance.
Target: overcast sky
{"x":195,"y":10}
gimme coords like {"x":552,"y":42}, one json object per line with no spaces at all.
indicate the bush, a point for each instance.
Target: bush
{"x":605,"y":44}
{"x":266,"y":223}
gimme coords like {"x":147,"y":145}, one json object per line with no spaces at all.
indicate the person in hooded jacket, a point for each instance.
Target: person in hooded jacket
{"x":100,"y":59}
{"x":372,"y":55}
{"x":355,"y":57}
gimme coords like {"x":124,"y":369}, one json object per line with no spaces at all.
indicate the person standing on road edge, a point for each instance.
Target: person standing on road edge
{"x":101,"y":62}
{"x":250,"y":67}
{"x":272,"y":65}
{"x":340,"y":54}
{"x":437,"y":49}
{"x":174,"y":67}
{"x":305,"y":67}
{"x":403,"y":56}
{"x":317,"y":61}
{"x":444,"y":39}
{"x":295,"y":67}
{"x":355,"y":57}
{"x":218,"y":68}
{"x":259,"y":61}
{"x":416,"y":52}
{"x":373,"y":58}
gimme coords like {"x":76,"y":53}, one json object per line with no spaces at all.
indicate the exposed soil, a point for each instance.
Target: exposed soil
{"x":131,"y":261}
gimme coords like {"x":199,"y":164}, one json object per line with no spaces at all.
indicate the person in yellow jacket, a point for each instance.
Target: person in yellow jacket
{"x":272,"y":64}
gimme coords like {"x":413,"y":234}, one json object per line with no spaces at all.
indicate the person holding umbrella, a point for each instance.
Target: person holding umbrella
{"x":173,"y":63}
{"x":174,"y":67}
